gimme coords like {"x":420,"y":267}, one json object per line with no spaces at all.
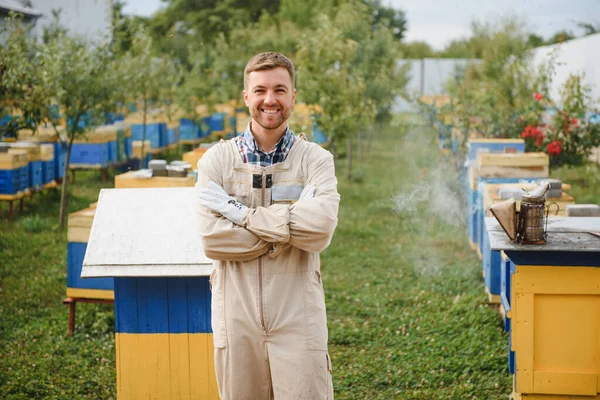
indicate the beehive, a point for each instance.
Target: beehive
{"x":78,"y":233}
{"x":192,"y":157}
{"x":132,"y":180}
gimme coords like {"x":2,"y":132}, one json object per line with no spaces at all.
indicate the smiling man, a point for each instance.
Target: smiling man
{"x":268,"y":205}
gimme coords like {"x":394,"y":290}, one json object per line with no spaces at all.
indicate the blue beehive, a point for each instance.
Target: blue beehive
{"x":90,"y":154}
{"x":48,"y":171}
{"x":35,"y":174}
{"x":156,"y":133}
{"x":14,"y":180}
{"x":60,"y":159}
{"x":78,"y":233}
{"x":217,"y":122}
{"x":113,"y":155}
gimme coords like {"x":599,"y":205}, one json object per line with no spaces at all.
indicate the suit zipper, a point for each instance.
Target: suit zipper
{"x":260,"y":277}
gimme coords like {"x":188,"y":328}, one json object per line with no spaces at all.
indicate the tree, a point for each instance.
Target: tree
{"x":389,"y":17}
{"x":24,"y":87}
{"x":87,"y":82}
{"x":151,"y":79}
{"x":417,"y":49}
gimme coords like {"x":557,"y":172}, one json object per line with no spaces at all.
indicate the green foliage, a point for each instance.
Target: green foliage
{"x":34,"y":224}
{"x":25,"y":86}
{"x":568,"y":135}
{"x":417,"y":49}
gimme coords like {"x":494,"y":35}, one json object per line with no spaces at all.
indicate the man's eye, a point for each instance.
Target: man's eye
{"x":259,"y":91}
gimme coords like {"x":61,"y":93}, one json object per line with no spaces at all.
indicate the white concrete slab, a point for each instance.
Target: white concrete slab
{"x":145,"y":232}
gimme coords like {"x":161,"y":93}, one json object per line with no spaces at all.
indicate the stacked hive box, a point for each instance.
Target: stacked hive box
{"x":49,"y":135}
{"x":95,"y":149}
{"x":132,"y":180}
{"x":475,"y":147}
{"x":497,"y":169}
{"x":14,"y":175}
{"x":48,"y":164}
{"x":35,"y":169}
{"x":78,"y":233}
{"x":492,"y":260}
{"x":155,"y":130}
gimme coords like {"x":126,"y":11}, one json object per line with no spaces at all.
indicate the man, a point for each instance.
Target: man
{"x":268,"y":206}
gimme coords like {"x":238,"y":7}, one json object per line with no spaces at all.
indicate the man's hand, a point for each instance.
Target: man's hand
{"x":308,"y":192}
{"x":217,"y":199}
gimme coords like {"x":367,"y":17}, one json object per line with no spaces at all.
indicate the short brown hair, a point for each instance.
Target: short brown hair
{"x":269,"y":60}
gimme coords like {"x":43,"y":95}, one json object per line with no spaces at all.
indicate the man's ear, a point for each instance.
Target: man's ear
{"x":294,"y":96}
{"x":245,"y":94}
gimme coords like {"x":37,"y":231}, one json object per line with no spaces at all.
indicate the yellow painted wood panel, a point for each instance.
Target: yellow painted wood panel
{"x":165,"y":366}
{"x":581,"y":384}
{"x":202,"y":367}
{"x":523,"y":343}
{"x":566,"y":330}
{"x":520,"y":396}
{"x":558,"y":280}
{"x":129,"y":180}
{"x":179,"y":366}
{"x":91,"y":293}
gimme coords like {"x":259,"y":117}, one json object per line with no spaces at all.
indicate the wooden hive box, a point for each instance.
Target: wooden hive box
{"x":130,"y":180}
{"x":515,"y":165}
{"x":136,"y":146}
{"x":192,"y":157}
{"x":34,"y":152}
{"x":47,"y":152}
{"x":78,"y":234}
{"x":491,"y":196}
{"x":14,"y":159}
{"x":79,"y":225}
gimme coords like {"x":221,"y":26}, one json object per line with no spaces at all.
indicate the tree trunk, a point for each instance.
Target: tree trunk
{"x":143,"y":131}
{"x":369,"y":138}
{"x":349,"y":158}
{"x":358,"y":146}
{"x":63,"y":195}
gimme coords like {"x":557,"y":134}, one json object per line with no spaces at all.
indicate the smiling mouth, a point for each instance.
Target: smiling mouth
{"x":269,"y":111}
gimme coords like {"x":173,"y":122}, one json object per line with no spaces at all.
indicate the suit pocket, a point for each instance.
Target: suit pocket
{"x":315,"y":314}
{"x":217,"y":306}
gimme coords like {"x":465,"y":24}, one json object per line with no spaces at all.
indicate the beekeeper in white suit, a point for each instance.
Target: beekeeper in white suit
{"x":268,"y":205}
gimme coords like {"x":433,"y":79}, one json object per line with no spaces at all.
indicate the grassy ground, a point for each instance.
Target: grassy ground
{"x":406,"y":306}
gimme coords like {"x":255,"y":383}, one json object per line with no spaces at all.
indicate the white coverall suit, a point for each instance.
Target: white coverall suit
{"x":268,"y":307}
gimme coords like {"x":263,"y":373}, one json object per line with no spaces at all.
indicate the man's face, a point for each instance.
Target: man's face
{"x":270,"y":97}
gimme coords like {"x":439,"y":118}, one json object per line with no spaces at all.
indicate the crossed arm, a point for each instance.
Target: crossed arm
{"x":308,"y":224}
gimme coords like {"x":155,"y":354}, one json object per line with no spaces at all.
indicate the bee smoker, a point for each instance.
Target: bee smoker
{"x":529,"y":224}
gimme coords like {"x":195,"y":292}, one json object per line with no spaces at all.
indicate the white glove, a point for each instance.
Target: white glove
{"x":308,"y":192}
{"x":217,"y":199}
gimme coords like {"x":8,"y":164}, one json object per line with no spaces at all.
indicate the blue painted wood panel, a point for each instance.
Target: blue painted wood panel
{"x":162,"y":305}
{"x":75,"y":255}
{"x":569,"y":258}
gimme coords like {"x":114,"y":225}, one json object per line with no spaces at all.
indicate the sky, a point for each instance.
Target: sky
{"x":437,"y":22}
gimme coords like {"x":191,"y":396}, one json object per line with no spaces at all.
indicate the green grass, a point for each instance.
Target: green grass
{"x":406,"y":306}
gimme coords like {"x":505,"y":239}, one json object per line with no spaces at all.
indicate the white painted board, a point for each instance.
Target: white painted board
{"x":145,"y":232}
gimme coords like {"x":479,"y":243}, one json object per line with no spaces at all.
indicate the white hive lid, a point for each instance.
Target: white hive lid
{"x":145,"y":232}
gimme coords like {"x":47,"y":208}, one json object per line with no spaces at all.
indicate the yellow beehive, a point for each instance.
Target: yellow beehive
{"x":47,"y":152}
{"x":42,"y":134}
{"x":33,"y":150}
{"x":192,"y":157}
{"x":14,"y":159}
{"x":80,"y":224}
{"x":555,"y":331}
{"x":130,"y":180}
{"x":136,"y":147}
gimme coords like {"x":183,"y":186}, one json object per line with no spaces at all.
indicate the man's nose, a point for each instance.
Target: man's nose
{"x":270,"y":98}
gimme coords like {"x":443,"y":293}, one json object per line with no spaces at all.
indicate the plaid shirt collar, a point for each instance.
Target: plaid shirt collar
{"x":252,"y":154}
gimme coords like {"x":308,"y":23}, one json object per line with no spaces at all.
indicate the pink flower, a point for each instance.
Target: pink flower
{"x":538,"y":96}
